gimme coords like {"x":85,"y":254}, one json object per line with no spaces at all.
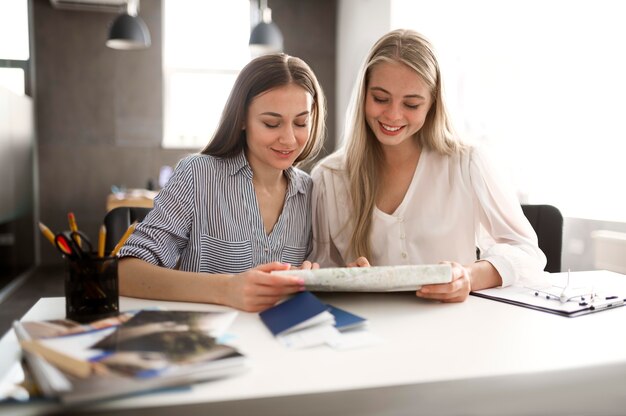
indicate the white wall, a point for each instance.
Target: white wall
{"x":360,"y":23}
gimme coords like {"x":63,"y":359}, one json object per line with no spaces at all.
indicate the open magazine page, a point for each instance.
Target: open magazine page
{"x":142,"y":351}
{"x":165,"y":341}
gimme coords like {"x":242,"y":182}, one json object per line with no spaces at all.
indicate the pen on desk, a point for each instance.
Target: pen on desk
{"x":101,"y":240}
{"x":120,"y":243}
{"x":47,"y":233}
{"x":73,"y":226}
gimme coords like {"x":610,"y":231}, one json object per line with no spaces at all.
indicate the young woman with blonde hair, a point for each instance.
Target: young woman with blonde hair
{"x":404,"y":190}
{"x":238,"y":210}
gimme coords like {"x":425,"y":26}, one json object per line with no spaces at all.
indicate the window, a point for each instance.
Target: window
{"x":14,"y":50}
{"x":543,"y":82}
{"x":205,"y":45}
{"x":13,"y":79}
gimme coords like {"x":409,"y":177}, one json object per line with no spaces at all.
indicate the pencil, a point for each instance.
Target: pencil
{"x":120,"y":243}
{"x":47,"y":233}
{"x":101,"y":239}
{"x":73,"y":226}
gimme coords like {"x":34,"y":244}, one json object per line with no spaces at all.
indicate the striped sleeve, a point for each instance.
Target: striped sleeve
{"x":162,"y":236}
{"x":207,"y":220}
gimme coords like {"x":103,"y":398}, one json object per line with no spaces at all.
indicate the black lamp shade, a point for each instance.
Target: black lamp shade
{"x":128,"y":32}
{"x":266,"y":38}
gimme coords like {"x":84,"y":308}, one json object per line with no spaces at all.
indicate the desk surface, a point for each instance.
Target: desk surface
{"x":480,"y":356}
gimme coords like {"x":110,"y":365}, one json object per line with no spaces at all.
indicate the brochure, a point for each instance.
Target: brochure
{"x":143,"y":351}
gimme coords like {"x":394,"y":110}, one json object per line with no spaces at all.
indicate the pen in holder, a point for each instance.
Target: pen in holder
{"x":91,"y":281}
{"x":91,"y":288}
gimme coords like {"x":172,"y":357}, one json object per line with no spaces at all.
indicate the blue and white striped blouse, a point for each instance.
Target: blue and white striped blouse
{"x":207,"y":219}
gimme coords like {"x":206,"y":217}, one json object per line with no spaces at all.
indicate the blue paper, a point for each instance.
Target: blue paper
{"x":344,"y":319}
{"x":293,"y":312}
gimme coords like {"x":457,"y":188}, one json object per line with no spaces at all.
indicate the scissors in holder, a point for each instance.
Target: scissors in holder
{"x":73,"y":244}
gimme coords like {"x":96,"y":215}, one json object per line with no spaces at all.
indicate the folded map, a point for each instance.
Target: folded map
{"x":372,"y":279}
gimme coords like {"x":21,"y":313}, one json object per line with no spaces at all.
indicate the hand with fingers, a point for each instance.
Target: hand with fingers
{"x":360,"y":262}
{"x":257,"y":289}
{"x":456,"y":291}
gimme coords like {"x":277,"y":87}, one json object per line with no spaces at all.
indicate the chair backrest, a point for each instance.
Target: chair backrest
{"x":548,"y":224}
{"x":118,"y":220}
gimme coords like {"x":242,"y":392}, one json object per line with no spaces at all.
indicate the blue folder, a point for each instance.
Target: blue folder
{"x":293,"y":313}
{"x":345,"y":320}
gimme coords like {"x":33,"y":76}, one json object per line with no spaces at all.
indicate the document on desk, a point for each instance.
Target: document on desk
{"x":372,"y":279}
{"x":296,"y":313}
{"x":304,"y":321}
{"x":583,"y":293}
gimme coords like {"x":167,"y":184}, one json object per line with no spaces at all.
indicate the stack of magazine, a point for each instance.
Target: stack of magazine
{"x":135,"y":352}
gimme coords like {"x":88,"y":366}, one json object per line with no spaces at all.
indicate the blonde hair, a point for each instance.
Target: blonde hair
{"x":363,"y":152}
{"x":258,"y":76}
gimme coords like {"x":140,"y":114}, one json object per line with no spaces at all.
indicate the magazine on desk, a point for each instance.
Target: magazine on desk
{"x":567,"y":294}
{"x":133,"y":353}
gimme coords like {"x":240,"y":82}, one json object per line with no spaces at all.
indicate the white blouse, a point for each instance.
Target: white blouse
{"x":453,"y":205}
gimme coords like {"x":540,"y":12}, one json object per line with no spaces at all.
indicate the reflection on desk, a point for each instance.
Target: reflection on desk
{"x":476,"y":357}
{"x":131,"y":198}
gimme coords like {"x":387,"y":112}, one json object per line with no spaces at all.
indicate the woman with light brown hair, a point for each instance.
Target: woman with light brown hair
{"x":240,"y":209}
{"x":404,"y":189}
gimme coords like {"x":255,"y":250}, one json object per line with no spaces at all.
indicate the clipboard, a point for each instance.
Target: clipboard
{"x":608,"y":290}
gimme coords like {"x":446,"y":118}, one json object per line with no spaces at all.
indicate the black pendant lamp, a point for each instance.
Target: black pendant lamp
{"x":266,"y":37}
{"x":128,"y":30}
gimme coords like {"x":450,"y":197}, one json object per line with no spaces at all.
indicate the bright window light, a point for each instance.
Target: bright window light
{"x":12,"y":79}
{"x":14,"y":30}
{"x":543,"y":82}
{"x":205,"y":45}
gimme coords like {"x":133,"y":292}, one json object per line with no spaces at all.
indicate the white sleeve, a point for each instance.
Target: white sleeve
{"x":324,"y":251}
{"x":506,"y":238}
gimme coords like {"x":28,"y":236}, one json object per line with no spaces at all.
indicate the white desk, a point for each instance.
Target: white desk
{"x":477,"y":357}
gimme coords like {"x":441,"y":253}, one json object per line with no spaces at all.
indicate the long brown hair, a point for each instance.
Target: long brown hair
{"x":363,"y":152}
{"x":258,"y":76}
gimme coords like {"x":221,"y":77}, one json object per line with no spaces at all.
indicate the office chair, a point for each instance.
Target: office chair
{"x":547,"y":222}
{"x":117,"y":222}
